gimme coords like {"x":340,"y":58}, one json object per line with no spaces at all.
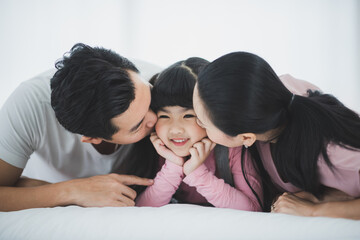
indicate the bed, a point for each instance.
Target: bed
{"x":173,"y":221}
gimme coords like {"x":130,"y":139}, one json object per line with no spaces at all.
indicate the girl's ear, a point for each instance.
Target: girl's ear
{"x":246,"y":139}
{"x":91,"y":140}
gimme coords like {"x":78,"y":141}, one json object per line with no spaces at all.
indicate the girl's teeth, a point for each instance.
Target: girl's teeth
{"x":179,"y":141}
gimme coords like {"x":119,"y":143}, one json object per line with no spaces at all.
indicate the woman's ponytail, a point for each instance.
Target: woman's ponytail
{"x":313,"y":122}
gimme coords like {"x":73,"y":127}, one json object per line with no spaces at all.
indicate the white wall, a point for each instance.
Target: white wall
{"x":35,"y":33}
{"x":315,"y":40}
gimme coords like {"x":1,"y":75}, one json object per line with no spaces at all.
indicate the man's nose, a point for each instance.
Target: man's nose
{"x":151,"y":119}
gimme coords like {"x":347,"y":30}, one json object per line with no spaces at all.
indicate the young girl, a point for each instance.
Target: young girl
{"x":300,"y":139}
{"x":189,"y":171}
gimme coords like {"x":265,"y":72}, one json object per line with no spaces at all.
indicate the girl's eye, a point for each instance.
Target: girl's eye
{"x":163,"y":116}
{"x":189,"y":116}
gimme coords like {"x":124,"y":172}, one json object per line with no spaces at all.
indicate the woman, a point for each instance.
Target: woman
{"x":304,"y":144}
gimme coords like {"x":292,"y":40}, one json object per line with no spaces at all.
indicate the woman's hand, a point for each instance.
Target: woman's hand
{"x":291,"y":204}
{"x":163,"y":151}
{"x":301,"y":204}
{"x":199,"y":152}
{"x":307,"y":196}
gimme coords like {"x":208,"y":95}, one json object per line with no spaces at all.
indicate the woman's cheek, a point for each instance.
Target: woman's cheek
{"x":213,"y":137}
{"x":201,"y":132}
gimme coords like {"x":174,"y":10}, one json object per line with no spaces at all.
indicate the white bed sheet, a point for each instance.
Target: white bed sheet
{"x":174,"y":221}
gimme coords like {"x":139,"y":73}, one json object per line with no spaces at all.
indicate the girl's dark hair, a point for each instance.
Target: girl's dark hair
{"x":242,"y":93}
{"x":174,"y":87}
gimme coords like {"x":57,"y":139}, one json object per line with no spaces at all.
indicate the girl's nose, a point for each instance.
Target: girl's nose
{"x":175,"y":129}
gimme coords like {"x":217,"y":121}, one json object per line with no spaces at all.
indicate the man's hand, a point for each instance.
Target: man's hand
{"x":105,"y":190}
{"x":199,"y":152}
{"x":163,"y":151}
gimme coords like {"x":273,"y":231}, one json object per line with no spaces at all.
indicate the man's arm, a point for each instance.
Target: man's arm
{"x":29,"y":182}
{"x":98,"y":191}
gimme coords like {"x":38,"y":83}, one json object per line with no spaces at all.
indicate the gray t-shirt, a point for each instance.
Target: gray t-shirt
{"x":30,"y":130}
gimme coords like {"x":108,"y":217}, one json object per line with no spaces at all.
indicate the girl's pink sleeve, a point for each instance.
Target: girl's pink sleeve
{"x":221,"y":194}
{"x":166,"y":182}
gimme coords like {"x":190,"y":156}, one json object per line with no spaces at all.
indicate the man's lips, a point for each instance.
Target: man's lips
{"x":179,"y":141}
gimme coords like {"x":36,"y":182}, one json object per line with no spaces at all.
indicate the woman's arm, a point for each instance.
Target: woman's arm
{"x":345,"y":209}
{"x":329,"y":195}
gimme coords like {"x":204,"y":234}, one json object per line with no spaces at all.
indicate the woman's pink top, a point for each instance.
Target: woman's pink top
{"x":203,"y":186}
{"x":345,"y":175}
{"x":346,"y":172}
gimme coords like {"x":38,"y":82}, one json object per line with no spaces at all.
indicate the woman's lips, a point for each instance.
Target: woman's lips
{"x":179,"y":141}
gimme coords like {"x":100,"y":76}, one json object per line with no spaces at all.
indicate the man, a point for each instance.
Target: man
{"x":95,"y":124}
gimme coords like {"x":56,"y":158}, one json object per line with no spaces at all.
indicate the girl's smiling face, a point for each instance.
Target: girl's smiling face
{"x":177,"y":128}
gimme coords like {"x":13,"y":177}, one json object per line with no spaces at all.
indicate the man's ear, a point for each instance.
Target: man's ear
{"x":246,"y":139}
{"x":91,"y":140}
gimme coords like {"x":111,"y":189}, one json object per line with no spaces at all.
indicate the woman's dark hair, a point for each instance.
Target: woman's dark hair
{"x":174,"y":87}
{"x":242,"y":93}
{"x":90,"y":87}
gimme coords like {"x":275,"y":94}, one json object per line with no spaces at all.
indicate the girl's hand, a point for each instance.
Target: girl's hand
{"x":291,"y":204}
{"x":163,"y":151}
{"x":199,"y":152}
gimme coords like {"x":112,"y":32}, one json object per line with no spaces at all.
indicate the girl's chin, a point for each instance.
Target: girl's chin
{"x":182,"y":153}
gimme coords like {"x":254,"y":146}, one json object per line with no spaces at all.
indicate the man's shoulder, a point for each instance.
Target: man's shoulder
{"x":30,"y":100}
{"x":34,"y":92}
{"x":40,"y":83}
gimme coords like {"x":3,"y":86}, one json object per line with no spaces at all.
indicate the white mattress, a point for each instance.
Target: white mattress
{"x":174,"y":221}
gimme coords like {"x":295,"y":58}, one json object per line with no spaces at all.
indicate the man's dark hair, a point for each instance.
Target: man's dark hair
{"x":90,"y":87}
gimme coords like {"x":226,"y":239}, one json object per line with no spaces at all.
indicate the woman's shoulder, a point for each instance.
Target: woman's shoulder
{"x":342,"y":157}
{"x":297,"y":86}
{"x":345,"y":171}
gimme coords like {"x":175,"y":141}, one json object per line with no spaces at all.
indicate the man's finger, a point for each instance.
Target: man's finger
{"x":128,"y":192}
{"x":117,"y":204}
{"x":127,"y":201}
{"x":133,"y":180}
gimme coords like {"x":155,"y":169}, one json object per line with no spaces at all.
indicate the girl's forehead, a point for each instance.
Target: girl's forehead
{"x":175,"y":109}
